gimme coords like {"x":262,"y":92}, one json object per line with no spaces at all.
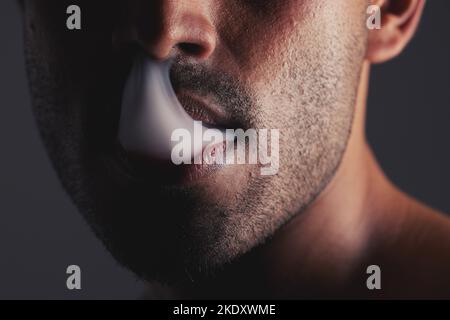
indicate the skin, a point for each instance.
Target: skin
{"x":299,"y":66}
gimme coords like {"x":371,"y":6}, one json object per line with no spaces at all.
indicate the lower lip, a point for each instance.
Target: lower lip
{"x":164,"y":172}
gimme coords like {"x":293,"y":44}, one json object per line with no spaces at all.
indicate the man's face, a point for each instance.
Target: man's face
{"x":291,"y":65}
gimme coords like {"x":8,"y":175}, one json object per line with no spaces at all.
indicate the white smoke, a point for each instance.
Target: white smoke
{"x":151,"y":111}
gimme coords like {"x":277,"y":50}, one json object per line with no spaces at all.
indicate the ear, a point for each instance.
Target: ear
{"x":399,"y":22}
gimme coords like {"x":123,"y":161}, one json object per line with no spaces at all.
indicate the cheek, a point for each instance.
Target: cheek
{"x":258,"y":43}
{"x":259,"y":40}
{"x":46,"y":30}
{"x":74,"y":65}
{"x":291,"y":52}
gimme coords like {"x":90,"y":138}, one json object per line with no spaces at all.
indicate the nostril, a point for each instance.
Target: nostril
{"x":191,"y":48}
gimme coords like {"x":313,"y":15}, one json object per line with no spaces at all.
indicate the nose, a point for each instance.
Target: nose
{"x":168,"y":27}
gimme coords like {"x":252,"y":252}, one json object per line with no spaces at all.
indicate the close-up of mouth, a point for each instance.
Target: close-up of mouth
{"x":198,"y":103}
{"x":142,"y":168}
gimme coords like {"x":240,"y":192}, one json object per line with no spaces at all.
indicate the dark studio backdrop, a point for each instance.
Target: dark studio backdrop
{"x":41,"y":233}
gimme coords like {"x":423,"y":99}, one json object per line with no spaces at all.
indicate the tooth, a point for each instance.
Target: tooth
{"x":151,"y":111}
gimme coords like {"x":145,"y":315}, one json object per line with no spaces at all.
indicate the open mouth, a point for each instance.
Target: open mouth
{"x":151,"y":113}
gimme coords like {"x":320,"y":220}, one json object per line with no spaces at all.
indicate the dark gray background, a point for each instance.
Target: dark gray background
{"x":41,"y":233}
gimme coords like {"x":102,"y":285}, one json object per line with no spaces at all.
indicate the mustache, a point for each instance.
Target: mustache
{"x":233,"y":96}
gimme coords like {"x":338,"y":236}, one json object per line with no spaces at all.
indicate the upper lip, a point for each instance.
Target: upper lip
{"x":203,"y":109}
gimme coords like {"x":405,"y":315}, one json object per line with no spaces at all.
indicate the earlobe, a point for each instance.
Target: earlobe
{"x":400,"y":19}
